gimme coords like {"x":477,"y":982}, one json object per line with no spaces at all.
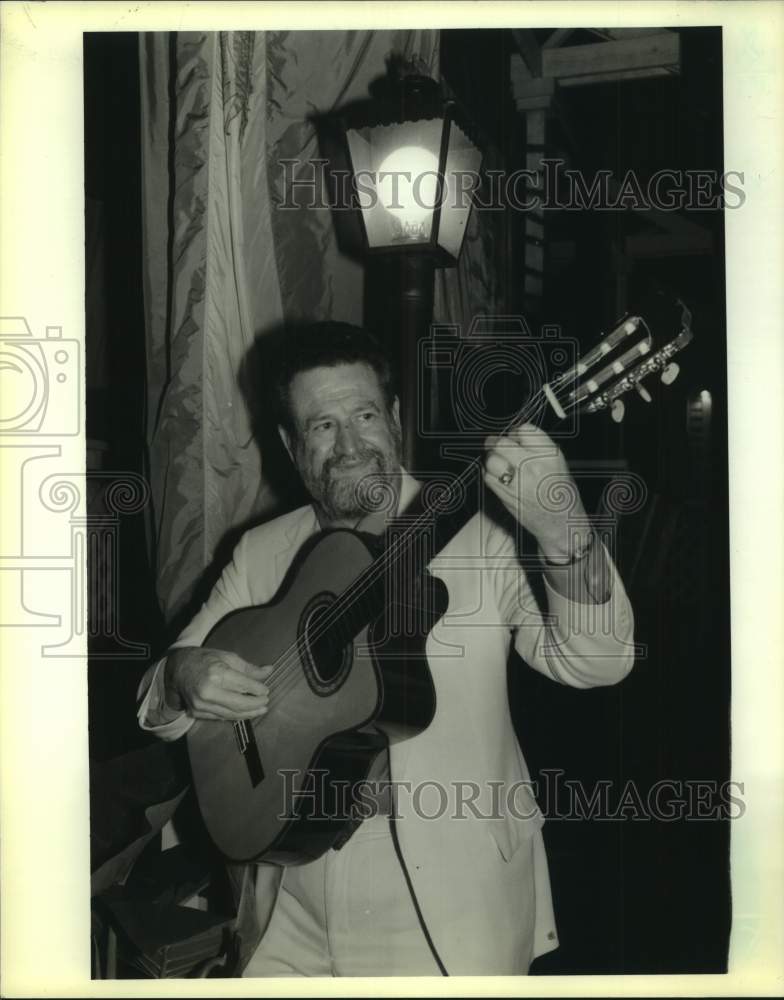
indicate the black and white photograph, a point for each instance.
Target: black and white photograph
{"x":397,"y":468}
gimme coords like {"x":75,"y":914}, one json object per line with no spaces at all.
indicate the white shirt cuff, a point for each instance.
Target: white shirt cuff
{"x":153,"y":714}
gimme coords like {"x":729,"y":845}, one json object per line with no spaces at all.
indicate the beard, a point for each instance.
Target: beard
{"x":362,"y":485}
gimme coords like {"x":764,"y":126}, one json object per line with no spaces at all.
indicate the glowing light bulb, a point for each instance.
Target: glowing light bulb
{"x":408,"y":189}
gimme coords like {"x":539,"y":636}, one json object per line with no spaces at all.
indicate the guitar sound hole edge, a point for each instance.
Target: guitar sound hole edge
{"x":324,"y":678}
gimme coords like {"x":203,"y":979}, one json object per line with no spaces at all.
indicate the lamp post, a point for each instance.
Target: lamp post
{"x":414,"y":161}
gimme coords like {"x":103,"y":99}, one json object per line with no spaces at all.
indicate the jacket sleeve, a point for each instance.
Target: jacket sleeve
{"x":229,"y":593}
{"x":583,"y":645}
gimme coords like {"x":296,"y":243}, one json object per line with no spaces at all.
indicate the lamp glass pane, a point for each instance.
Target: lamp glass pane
{"x":461,"y":171}
{"x":396,"y":173}
{"x":362,"y":166}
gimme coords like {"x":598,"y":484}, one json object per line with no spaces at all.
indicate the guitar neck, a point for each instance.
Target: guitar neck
{"x":594,"y":382}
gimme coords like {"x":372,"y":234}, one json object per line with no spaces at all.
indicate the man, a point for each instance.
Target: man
{"x":450,"y":877}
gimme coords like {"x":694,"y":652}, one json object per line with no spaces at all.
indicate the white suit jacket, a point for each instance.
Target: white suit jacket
{"x":461,"y":860}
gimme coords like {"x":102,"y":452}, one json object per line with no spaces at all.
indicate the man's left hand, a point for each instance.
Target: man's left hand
{"x":528,"y":473}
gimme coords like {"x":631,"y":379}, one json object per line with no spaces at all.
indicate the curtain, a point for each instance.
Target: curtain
{"x":223,"y":263}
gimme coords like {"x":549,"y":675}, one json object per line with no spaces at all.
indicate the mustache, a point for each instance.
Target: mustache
{"x":361,"y":458}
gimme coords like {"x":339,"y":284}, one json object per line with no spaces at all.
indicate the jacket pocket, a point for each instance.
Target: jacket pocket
{"x":518,"y":825}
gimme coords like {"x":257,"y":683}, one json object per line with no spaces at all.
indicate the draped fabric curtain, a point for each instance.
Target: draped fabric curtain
{"x":223,"y":263}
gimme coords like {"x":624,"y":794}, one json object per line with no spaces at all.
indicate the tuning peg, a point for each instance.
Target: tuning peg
{"x":617,"y":410}
{"x":670,"y":373}
{"x":643,"y":392}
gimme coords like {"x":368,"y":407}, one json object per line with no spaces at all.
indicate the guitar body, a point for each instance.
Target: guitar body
{"x":266,"y":787}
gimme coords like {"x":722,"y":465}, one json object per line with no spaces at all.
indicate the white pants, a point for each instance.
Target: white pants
{"x":348,"y":914}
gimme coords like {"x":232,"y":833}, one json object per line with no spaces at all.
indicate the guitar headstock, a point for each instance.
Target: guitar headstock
{"x":636,"y":348}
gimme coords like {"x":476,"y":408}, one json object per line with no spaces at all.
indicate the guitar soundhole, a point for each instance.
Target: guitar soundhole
{"x":325,"y":658}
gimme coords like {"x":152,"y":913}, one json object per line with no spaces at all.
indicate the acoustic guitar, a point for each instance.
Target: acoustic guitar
{"x":344,"y":683}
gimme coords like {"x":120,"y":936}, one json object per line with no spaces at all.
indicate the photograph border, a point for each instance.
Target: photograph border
{"x":43,"y":746}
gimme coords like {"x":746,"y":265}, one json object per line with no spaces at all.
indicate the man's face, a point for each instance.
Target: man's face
{"x":345,"y":436}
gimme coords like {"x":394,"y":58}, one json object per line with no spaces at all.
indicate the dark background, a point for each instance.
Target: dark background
{"x":631,"y":896}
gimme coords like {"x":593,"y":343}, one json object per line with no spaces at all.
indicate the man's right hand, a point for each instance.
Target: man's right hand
{"x":214,"y":684}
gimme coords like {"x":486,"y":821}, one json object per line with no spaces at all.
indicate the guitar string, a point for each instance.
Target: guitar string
{"x":288,"y":663}
{"x":286,"y":674}
{"x":287,"y":667}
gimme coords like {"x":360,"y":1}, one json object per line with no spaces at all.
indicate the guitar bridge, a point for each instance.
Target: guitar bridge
{"x":246,"y":744}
